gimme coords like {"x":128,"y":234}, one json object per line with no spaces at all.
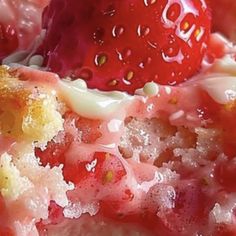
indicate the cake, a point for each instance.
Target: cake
{"x":156,"y":160}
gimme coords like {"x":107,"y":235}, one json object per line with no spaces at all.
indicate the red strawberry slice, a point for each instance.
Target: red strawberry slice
{"x":121,"y":45}
{"x":104,"y":169}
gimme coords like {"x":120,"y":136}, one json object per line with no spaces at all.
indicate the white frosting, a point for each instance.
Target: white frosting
{"x":177,"y":115}
{"x":227,"y":65}
{"x":36,"y":60}
{"x":220,"y":80}
{"x":114,"y":125}
{"x":221,"y":88}
{"x":151,"y":89}
{"x":92,"y":103}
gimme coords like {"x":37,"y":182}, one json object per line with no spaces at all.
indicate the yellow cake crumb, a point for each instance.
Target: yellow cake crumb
{"x":27,"y":112}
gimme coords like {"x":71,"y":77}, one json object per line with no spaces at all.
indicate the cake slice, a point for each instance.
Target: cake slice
{"x":79,"y":161}
{"x":29,"y":117}
{"x":76,"y":161}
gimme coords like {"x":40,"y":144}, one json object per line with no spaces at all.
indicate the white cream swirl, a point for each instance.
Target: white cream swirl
{"x":92,"y":103}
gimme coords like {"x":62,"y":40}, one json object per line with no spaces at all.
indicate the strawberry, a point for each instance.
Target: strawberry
{"x":19,"y":24}
{"x":121,"y":45}
{"x":8,"y":40}
{"x":225,"y":173}
{"x":104,"y":169}
{"x":224,"y":9}
{"x":6,"y":231}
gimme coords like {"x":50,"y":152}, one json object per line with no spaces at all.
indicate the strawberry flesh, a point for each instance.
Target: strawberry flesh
{"x":121,"y":45}
{"x":20,"y":23}
{"x":222,"y":22}
{"x":8,"y":40}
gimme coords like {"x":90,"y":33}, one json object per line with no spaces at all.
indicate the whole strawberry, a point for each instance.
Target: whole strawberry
{"x":122,"y":44}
